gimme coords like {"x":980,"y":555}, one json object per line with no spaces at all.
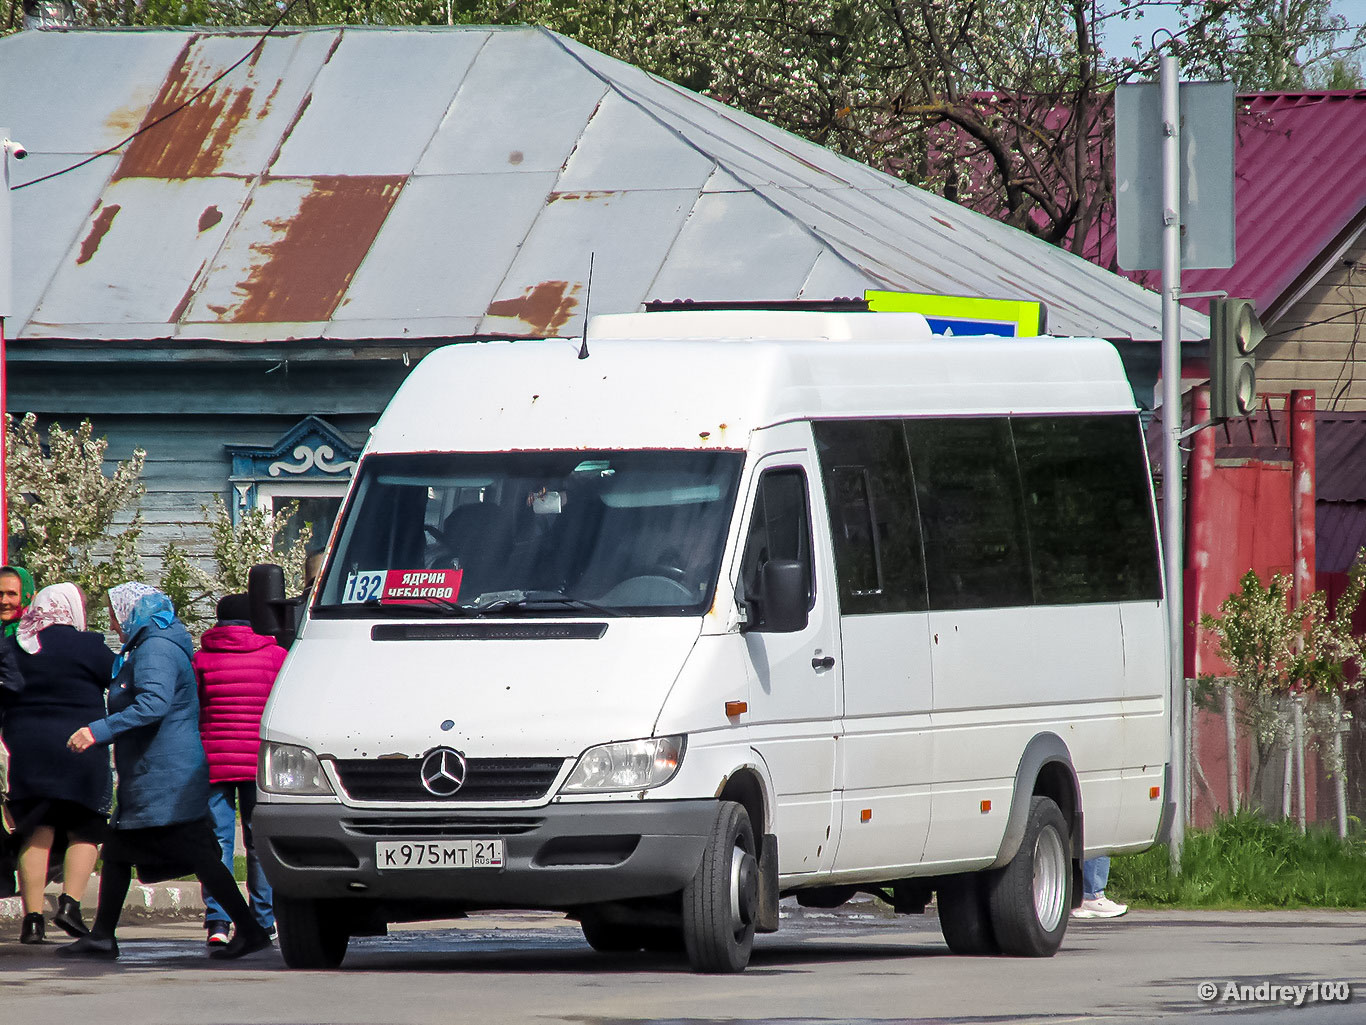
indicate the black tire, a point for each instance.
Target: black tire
{"x":658,"y":939}
{"x":964,"y":915}
{"x":312,"y":934}
{"x":721,"y":903}
{"x":1032,"y":896}
{"x":607,"y":937}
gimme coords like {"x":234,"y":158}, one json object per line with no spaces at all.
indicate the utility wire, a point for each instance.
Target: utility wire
{"x":284,"y":13}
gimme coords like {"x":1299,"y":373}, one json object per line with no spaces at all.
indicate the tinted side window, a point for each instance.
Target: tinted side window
{"x":967,"y":486}
{"x":871,"y":499}
{"x":780,"y":529}
{"x":1089,"y":508}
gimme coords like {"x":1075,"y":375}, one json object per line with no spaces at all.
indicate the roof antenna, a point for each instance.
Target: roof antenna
{"x":587,"y":299}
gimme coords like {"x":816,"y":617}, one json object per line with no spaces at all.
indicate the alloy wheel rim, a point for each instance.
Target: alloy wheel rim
{"x":743,"y":889}
{"x":1050,"y":879}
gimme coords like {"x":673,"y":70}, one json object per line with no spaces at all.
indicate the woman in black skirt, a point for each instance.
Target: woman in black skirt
{"x":161,"y":823}
{"x":59,"y":799}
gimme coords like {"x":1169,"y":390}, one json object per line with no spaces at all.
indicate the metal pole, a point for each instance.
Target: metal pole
{"x":1171,"y":441}
{"x":6,"y":297}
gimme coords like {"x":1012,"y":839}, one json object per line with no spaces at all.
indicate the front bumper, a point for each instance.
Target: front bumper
{"x":557,"y":856}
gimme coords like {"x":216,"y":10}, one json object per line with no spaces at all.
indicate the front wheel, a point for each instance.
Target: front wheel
{"x":312,"y":934}
{"x":721,"y":903}
{"x":1030,"y":897}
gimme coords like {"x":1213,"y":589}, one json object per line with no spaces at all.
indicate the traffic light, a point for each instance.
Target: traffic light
{"x":1234,"y":332}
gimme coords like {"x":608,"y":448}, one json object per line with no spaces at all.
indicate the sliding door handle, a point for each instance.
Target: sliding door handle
{"x":823,"y":663}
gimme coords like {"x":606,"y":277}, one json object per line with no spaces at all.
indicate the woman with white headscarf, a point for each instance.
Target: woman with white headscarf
{"x":59,"y":799}
{"x":161,"y":822}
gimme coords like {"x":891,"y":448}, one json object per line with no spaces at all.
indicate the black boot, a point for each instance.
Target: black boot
{"x":243,"y":942}
{"x":33,"y":928}
{"x":101,"y":947}
{"x":68,"y":917}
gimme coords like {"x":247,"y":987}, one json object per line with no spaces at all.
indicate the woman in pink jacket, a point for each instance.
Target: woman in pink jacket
{"x":235,"y":669}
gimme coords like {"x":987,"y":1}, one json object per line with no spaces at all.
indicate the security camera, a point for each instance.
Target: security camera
{"x":15,"y":149}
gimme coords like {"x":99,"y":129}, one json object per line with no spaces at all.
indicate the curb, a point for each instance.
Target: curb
{"x":174,"y":900}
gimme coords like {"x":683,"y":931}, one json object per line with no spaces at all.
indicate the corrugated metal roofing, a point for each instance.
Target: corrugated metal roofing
{"x":366,"y":183}
{"x":1340,"y":531}
{"x":1340,"y":455}
{"x":1298,"y":186}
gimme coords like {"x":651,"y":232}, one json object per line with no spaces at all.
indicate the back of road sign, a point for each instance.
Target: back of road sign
{"x":1206,"y":175}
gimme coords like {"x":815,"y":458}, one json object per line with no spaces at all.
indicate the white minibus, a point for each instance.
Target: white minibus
{"x":716,"y":608}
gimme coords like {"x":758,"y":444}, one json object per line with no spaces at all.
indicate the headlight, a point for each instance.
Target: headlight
{"x":629,"y":765}
{"x":290,"y":769}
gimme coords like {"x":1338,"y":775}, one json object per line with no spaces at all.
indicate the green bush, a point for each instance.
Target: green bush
{"x":1246,"y":862}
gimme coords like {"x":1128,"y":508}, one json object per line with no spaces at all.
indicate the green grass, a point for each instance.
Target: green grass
{"x":1246,"y":862}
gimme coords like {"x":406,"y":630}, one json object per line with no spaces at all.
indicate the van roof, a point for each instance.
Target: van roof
{"x":707,"y":379}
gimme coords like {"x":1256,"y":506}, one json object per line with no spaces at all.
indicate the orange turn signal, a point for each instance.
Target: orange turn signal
{"x":986,"y":807}
{"x":1154,"y":793}
{"x":734,"y":708}
{"x":866,"y":815}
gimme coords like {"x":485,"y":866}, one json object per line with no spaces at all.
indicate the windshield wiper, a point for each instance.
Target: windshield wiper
{"x":534,"y":602}
{"x":412,"y":607}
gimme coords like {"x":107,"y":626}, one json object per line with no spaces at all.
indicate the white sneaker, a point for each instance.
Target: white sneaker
{"x":1100,"y":906}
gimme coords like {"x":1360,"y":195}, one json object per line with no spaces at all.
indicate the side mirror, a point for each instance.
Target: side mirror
{"x":271,"y":612}
{"x":783,"y":596}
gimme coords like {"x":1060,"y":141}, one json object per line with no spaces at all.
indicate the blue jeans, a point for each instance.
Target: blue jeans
{"x":1095,"y":873}
{"x":225,"y":799}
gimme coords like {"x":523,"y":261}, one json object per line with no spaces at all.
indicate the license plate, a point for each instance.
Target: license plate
{"x":392,"y":854}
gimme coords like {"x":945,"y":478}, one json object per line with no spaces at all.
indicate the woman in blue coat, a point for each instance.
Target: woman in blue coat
{"x":160,"y":823}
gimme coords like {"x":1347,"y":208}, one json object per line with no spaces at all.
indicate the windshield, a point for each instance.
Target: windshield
{"x":614,"y":533}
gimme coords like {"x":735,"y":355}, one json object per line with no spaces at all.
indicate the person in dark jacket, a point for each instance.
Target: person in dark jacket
{"x":59,"y":799}
{"x":236,"y":668}
{"x":160,"y":824}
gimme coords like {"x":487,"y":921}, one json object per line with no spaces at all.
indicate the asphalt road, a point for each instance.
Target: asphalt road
{"x":856,"y":964}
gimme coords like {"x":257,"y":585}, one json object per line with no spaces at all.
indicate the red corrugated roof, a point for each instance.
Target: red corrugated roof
{"x":1298,"y":165}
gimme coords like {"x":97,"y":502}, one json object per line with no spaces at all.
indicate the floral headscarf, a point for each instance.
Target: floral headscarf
{"x":26,"y":589}
{"x":60,"y":603}
{"x":124,"y":597}
{"x":135,"y":606}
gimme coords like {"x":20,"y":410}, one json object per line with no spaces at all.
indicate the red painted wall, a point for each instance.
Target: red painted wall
{"x":1241,"y":516}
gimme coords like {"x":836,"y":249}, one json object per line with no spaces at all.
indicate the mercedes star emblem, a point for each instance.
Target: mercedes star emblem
{"x":443,"y":772}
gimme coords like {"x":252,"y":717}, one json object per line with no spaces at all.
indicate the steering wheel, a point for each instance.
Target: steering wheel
{"x":664,"y":569}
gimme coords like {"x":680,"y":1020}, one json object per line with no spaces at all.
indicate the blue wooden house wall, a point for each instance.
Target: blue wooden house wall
{"x":215,"y":423}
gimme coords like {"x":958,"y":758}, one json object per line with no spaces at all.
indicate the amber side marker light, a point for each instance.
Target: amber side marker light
{"x":1154,"y":793}
{"x":986,"y":807}
{"x":734,"y":708}
{"x":866,"y":815}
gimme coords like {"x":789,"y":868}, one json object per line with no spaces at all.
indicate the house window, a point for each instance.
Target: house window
{"x":311,"y":464}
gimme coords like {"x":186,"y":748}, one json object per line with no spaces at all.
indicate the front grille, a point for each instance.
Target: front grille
{"x":426,"y":826}
{"x":486,"y":779}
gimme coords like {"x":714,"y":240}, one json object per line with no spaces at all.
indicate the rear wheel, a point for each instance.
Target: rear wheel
{"x":1031,"y":896}
{"x":608,"y":937}
{"x":721,"y":904}
{"x":313,"y":934}
{"x":965,"y":916}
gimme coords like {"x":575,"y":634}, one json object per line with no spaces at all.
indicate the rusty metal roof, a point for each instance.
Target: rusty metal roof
{"x":363,"y":183}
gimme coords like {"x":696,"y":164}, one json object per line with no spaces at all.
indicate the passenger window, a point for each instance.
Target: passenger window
{"x":879,"y":561}
{"x":968,"y":490}
{"x":1089,"y":508}
{"x":780,"y":529}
